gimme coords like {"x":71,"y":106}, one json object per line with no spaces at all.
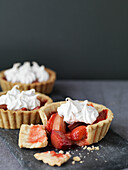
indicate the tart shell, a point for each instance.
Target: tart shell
{"x":45,"y":87}
{"x":95,"y":132}
{"x":11,"y":119}
{"x":24,"y":137}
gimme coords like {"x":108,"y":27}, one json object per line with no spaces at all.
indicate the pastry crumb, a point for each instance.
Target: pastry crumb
{"x":96,"y":159}
{"x":85,"y":147}
{"x":89,"y":148}
{"x":73,"y":162}
{"x":76,"y":158}
{"x":61,"y":151}
{"x":81,"y":162}
{"x":51,"y":158}
{"x":97,"y":148}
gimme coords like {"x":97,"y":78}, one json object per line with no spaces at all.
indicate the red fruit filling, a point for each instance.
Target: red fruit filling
{"x":78,"y":133}
{"x":90,"y":104}
{"x":59,"y":124}
{"x":23,"y":109}
{"x":102,"y":116}
{"x":76,"y":124}
{"x":50,"y":122}
{"x":3,"y":106}
{"x":64,"y":135}
{"x":59,"y":140}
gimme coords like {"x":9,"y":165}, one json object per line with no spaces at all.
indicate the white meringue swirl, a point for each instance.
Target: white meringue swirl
{"x":26,"y":73}
{"x":15,"y":100}
{"x":76,"y":111}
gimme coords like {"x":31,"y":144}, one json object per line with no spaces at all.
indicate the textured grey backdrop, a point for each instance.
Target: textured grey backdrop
{"x":80,"y":39}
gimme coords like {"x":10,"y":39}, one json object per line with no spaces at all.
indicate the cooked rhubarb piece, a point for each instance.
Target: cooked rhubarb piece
{"x":90,"y":104}
{"x":38,"y":107}
{"x":78,"y":133}
{"x":42,"y":103}
{"x":76,"y":124}
{"x":59,"y":124}
{"x":68,"y":135}
{"x":50,"y":122}
{"x":59,"y":140}
{"x":3,"y":106}
{"x":23,"y":109}
{"x":102,"y":116}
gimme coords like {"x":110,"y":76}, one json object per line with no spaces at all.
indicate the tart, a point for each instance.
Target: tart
{"x":8,"y":80}
{"x":53,"y":158}
{"x":78,"y":133}
{"x":13,"y":119}
{"x":32,"y":136}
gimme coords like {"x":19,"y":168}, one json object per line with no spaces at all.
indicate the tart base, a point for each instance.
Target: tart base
{"x":10,"y":119}
{"x":95,"y":132}
{"x":45,"y":87}
{"x":24,"y":137}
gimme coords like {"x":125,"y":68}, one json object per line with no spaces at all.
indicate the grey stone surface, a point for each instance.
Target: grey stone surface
{"x":7,"y":160}
{"x":113,"y":94}
{"x":113,"y":150}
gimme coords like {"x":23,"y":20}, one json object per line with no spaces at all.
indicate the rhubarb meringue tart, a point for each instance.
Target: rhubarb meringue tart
{"x":75,"y":122}
{"x":21,"y":107}
{"x":28,"y":77}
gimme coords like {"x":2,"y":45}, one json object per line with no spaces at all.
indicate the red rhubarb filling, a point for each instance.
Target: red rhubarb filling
{"x":64,"y":135}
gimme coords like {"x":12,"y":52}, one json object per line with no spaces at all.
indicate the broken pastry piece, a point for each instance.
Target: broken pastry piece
{"x":53,"y":158}
{"x":32,"y":136}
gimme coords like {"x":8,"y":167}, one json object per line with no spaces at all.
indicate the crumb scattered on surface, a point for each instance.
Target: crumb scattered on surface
{"x":73,"y":162}
{"x":97,"y":148}
{"x":61,"y":151}
{"x":96,"y":159}
{"x":81,"y":162}
{"x":85,"y":147}
{"x":76,"y":158}
{"x":89,"y":148}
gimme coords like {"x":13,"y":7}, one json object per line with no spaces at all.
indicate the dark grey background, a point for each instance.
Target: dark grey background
{"x":80,"y":39}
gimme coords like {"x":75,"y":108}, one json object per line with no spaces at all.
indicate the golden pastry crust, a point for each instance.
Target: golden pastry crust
{"x":47,"y":157}
{"x":11,"y":119}
{"x":24,"y":137}
{"x":41,"y":87}
{"x":95,"y":132}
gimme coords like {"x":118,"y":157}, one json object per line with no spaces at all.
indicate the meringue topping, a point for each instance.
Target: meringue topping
{"x":26,"y":73}
{"x":76,"y":111}
{"x":15,"y":100}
